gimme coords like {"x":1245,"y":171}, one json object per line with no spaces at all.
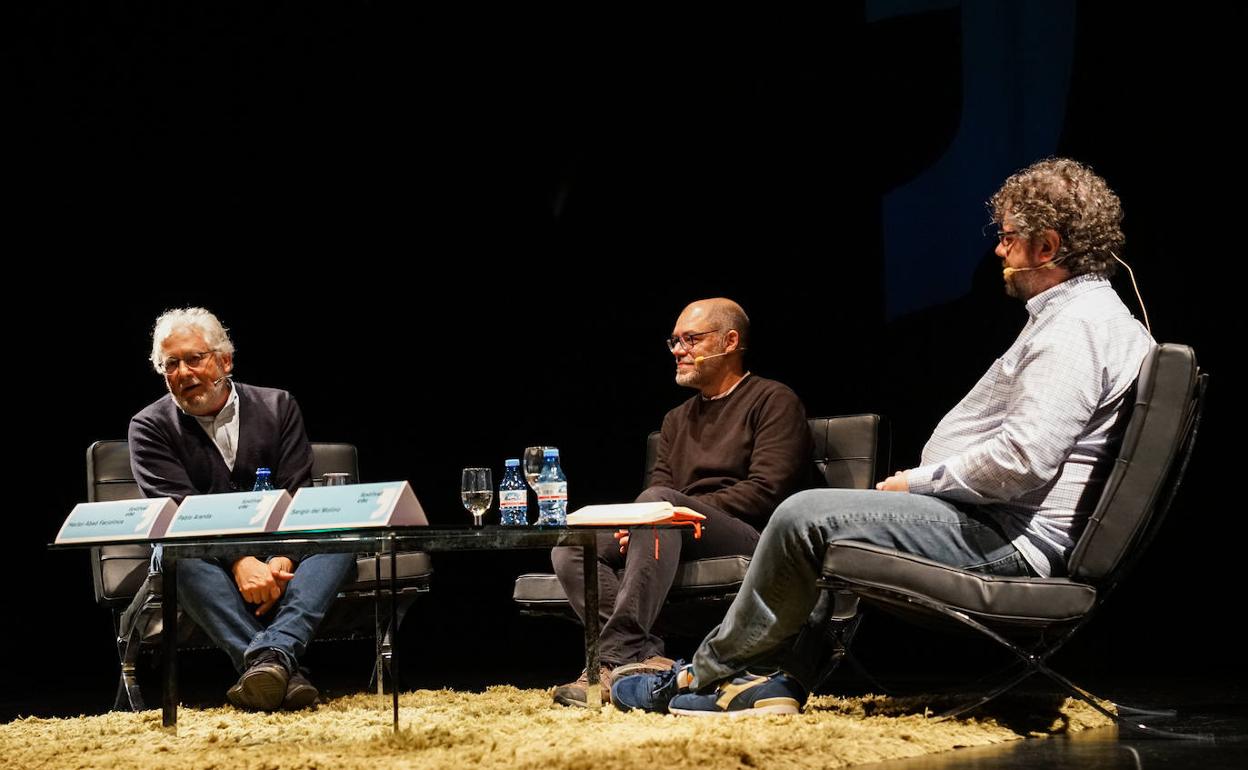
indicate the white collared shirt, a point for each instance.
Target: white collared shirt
{"x":222,"y":428}
{"x":1032,"y":442}
{"x":728,"y":392}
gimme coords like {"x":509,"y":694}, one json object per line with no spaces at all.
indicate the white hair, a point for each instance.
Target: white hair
{"x":203,"y":321}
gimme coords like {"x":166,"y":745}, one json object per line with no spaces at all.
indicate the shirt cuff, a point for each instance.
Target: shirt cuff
{"x":921,"y":480}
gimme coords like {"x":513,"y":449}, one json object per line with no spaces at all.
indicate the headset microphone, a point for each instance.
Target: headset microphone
{"x":1008,"y":271}
{"x":698,"y":361}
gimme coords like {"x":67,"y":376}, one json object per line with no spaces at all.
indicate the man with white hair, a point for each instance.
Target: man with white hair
{"x":210,"y":435}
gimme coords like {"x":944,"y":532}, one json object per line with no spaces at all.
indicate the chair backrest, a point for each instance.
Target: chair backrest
{"x":119,"y":570}
{"x":1169,"y":394}
{"x":108,"y":472}
{"x":109,"y":476}
{"x":849,"y":451}
{"x":334,"y":458}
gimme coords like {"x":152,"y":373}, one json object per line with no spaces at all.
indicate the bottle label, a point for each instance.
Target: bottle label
{"x":512,"y":498}
{"x":553,"y":492}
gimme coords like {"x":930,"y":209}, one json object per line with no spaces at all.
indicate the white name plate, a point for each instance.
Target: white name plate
{"x":232,"y":513}
{"x":351,"y":506}
{"x":142,"y":519}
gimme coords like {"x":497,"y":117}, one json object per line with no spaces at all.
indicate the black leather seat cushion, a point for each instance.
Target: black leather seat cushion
{"x":715,"y":574}
{"x":1016,"y":599}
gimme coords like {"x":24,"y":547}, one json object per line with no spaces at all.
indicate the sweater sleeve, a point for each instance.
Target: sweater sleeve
{"x":661,"y":474}
{"x":153,"y":462}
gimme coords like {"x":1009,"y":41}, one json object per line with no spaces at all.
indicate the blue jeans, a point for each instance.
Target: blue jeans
{"x":209,"y":596}
{"x":779,"y":590}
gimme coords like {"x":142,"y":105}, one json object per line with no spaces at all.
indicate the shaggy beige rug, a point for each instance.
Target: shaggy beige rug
{"x":509,"y":728}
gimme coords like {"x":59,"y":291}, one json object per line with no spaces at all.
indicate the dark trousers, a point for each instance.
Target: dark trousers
{"x":632,"y":587}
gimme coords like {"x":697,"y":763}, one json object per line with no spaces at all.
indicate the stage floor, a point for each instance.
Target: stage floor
{"x":1215,"y":705}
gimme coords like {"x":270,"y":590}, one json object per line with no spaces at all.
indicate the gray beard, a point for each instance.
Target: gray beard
{"x":196,"y":408}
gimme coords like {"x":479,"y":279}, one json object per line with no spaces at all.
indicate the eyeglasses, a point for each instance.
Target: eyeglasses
{"x":193,"y":361}
{"x":687,"y":340}
{"x":1007,"y":237}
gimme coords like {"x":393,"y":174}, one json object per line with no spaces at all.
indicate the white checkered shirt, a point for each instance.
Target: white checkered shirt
{"x":222,"y":428}
{"x":1033,"y":441}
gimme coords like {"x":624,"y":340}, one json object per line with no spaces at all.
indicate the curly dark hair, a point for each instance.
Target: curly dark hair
{"x":1068,"y":197}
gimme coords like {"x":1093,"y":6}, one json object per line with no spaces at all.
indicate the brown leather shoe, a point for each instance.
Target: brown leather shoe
{"x":574,"y":693}
{"x":655,"y":664}
{"x":300,"y":693}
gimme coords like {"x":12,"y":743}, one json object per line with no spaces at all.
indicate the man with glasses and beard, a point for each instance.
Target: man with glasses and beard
{"x":732,"y":453}
{"x":209,"y":436}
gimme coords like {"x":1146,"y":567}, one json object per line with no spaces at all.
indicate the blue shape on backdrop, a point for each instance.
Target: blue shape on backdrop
{"x":1016,"y":68}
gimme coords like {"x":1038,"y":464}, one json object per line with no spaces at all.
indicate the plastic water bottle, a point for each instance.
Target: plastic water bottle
{"x":552,"y":491}
{"x":264,"y":481}
{"x":513,"y":497}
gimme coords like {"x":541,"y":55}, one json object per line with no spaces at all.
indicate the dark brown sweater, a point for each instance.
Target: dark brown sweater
{"x":743,"y":453}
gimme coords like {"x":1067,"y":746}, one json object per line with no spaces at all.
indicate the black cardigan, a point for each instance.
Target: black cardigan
{"x":172,"y":456}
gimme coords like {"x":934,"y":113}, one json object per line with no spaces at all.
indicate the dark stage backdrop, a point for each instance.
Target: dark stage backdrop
{"x":450,"y":240}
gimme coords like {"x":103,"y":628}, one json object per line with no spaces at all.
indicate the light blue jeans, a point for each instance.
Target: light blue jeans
{"x":779,"y":591}
{"x":209,"y":596}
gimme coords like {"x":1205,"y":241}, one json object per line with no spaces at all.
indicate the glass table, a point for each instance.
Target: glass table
{"x":384,"y":544}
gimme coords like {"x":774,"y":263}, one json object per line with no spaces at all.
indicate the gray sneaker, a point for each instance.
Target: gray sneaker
{"x":574,"y":693}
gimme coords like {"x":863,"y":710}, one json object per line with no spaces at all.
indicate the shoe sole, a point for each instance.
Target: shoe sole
{"x":566,"y":701}
{"x":626,"y":708}
{"x":262,"y":690}
{"x":577,"y":699}
{"x":771,"y":706}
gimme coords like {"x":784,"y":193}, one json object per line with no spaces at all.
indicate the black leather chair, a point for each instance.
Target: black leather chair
{"x":849,"y":451}
{"x":1034,"y":617}
{"x":123,"y":585}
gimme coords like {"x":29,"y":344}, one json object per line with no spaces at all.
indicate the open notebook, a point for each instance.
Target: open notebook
{"x":637,"y":514}
{"x":626,"y":514}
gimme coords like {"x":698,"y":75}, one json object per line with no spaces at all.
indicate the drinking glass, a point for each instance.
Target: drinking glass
{"x":477,"y":492}
{"x":534,"y":458}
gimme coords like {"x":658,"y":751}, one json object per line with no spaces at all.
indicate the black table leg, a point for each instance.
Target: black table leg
{"x":169,"y":639}
{"x":394,"y":629}
{"x":379,"y":669}
{"x":589,"y":555}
